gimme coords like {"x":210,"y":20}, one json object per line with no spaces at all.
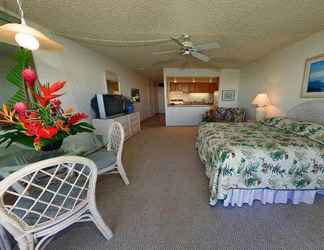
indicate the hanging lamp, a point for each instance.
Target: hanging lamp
{"x":25,"y":36}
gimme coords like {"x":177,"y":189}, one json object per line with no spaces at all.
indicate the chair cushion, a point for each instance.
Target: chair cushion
{"x":103,"y":158}
{"x":81,"y":143}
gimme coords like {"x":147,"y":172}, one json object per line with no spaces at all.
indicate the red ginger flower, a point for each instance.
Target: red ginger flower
{"x":32,"y":127}
{"x":47,"y":92}
{"x":47,"y":133}
{"x":76,"y":118}
{"x":30,"y":77}
{"x":35,"y":128}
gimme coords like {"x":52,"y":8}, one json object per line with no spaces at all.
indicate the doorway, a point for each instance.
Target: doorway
{"x":112,"y":83}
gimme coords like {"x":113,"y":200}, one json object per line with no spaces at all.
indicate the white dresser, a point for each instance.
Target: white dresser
{"x":130,"y":122}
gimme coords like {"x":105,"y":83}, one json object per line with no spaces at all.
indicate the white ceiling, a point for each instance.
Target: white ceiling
{"x":246,"y":29}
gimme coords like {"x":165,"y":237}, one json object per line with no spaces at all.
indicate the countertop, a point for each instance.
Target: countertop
{"x":189,"y":105}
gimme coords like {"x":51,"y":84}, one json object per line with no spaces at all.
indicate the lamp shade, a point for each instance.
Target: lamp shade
{"x":11,"y":31}
{"x":261,"y":100}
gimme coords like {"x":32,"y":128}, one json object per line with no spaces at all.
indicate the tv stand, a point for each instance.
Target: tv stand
{"x":130,"y":122}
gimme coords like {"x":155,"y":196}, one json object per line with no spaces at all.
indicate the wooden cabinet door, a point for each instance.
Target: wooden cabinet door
{"x":205,"y":87}
{"x":196,"y":87}
{"x":185,"y":87}
{"x":173,"y":86}
{"x":202,"y":87}
{"x":191,"y":87}
{"x":213,"y":87}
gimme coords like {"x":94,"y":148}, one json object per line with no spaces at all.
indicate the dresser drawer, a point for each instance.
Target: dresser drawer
{"x":123,"y":121}
{"x":134,"y":116}
{"x":130,"y":122}
{"x":134,"y":120}
{"x":136,"y":127}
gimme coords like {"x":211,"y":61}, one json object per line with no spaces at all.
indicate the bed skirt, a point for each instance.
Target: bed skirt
{"x":239,"y":197}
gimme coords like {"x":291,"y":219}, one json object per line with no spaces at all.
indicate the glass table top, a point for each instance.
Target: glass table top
{"x":17,"y":156}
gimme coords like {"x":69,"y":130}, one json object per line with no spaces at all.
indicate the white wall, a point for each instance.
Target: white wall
{"x":229,"y":80}
{"x":161,"y":101}
{"x":280,"y":75}
{"x":84,"y":71}
{"x":154,"y":105}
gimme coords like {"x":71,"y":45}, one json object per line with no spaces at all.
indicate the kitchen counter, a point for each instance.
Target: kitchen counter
{"x":185,"y":114}
{"x":190,"y":105}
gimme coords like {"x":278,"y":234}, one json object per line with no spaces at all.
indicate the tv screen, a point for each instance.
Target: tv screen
{"x":106,"y":106}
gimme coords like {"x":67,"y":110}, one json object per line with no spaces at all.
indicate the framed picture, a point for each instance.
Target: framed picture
{"x":228,"y":95}
{"x":135,"y":95}
{"x":313,"y":82}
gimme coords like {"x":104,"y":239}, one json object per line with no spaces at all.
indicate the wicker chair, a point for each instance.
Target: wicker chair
{"x":58,"y":192}
{"x":110,"y":159}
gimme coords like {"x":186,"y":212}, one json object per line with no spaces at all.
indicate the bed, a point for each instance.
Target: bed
{"x":274,"y":161}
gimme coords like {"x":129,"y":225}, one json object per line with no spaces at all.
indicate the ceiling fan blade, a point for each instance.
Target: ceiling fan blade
{"x":177,"y":41}
{"x":208,"y":46}
{"x":165,"y":52}
{"x":200,"y":56}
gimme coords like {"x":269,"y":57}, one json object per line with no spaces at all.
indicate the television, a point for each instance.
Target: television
{"x":106,"y":106}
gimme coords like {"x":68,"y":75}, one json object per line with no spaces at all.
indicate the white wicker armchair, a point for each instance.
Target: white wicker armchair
{"x":57,"y":193}
{"x":110,"y":160}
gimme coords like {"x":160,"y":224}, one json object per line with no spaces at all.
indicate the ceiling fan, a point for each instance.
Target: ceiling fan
{"x":187,"y":47}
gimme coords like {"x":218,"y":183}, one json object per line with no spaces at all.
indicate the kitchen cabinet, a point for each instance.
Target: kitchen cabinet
{"x":173,"y":86}
{"x":191,"y":87}
{"x":213,"y":87}
{"x":197,"y":87}
{"x":201,"y":87}
{"x":185,"y":87}
{"x":131,"y":124}
{"x":179,"y":86}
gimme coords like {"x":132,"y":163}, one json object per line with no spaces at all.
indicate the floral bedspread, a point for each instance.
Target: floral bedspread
{"x":254,"y":155}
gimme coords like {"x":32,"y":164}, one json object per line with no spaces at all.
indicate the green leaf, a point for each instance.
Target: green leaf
{"x":81,"y":127}
{"x":87,"y":125}
{"x":24,"y":59}
{"x":15,"y":136}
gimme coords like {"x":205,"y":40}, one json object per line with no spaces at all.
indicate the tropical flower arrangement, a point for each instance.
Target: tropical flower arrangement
{"x":39,"y":121}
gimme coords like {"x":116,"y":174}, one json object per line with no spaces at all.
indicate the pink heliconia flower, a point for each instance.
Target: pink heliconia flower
{"x":29,"y":76}
{"x":20,"y":107}
{"x":56,"y":103}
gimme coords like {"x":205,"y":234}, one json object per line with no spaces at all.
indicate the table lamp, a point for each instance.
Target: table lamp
{"x":261,"y":101}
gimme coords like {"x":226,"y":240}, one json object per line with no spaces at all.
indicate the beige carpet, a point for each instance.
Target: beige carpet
{"x":166,"y":206}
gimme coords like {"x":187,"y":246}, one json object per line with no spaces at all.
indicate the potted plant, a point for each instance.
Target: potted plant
{"x":39,"y":121}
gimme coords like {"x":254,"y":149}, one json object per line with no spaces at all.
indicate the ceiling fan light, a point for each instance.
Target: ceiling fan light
{"x":27,"y":41}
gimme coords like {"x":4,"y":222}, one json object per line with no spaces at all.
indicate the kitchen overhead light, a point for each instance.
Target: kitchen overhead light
{"x":25,"y":36}
{"x":175,"y":80}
